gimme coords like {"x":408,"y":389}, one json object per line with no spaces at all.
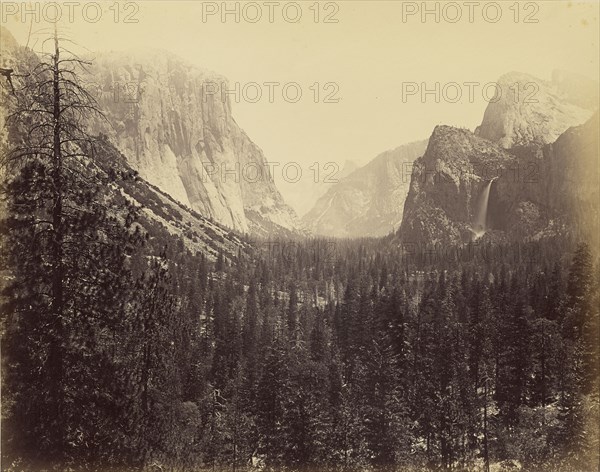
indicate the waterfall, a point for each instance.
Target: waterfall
{"x":480,"y":221}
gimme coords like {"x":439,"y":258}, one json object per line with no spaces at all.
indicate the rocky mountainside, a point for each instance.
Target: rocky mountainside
{"x":176,"y":129}
{"x":528,"y":110}
{"x":370,"y":200}
{"x":568,"y":186}
{"x":446,"y":183}
{"x":313,"y":184}
{"x":534,"y":192}
{"x":529,"y":171}
{"x":167,"y":221}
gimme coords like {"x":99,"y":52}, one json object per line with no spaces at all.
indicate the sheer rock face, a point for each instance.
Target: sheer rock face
{"x":164,"y":218}
{"x":527,"y":110}
{"x":569,"y":182}
{"x":369,"y":201}
{"x":177,"y":130}
{"x":537,"y":191}
{"x":10,"y":56}
{"x":544,"y":161}
{"x":446,"y":183}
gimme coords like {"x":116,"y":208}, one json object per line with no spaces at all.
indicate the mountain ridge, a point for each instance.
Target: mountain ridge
{"x":167,"y":117}
{"x":369,"y":201}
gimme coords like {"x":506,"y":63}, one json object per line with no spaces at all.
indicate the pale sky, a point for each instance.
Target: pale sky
{"x":367,"y":54}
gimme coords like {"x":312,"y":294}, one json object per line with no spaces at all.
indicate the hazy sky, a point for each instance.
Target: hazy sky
{"x":368,"y":54}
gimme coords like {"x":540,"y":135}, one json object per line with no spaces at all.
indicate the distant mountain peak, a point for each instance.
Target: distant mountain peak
{"x":369,"y":200}
{"x":529,"y":110}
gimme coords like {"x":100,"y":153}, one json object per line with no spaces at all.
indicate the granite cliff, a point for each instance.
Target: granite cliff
{"x":177,"y":130}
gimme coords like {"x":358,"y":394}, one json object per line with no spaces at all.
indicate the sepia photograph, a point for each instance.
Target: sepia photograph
{"x":299,"y":236}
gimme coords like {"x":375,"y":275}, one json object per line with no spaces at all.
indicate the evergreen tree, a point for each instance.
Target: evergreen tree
{"x":67,"y":241}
